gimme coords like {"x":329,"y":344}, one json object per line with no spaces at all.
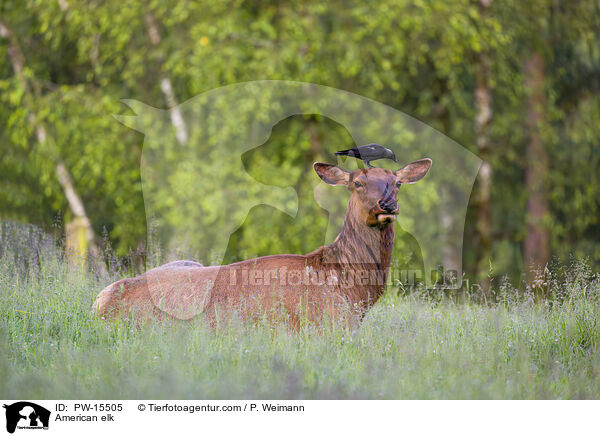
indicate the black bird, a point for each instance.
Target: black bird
{"x":369,"y":152}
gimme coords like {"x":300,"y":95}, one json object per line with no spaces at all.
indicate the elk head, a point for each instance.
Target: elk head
{"x":374,"y":191}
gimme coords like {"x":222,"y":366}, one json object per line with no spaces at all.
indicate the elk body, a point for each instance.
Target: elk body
{"x":337,"y":282}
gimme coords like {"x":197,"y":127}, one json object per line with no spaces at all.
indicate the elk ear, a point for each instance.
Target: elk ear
{"x":331,"y":174}
{"x":413,"y":172}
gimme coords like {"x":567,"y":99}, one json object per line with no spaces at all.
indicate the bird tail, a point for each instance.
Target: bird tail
{"x":344,"y":152}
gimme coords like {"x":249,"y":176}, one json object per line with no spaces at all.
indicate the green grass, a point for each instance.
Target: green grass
{"x":407,"y":347}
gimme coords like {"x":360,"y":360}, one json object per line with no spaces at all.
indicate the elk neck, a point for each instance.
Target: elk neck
{"x":359,"y":245}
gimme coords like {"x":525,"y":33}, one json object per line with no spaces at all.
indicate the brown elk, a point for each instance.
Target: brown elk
{"x":340,"y":281}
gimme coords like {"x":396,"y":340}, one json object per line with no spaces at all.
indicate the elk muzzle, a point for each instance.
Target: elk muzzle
{"x":388,"y":209}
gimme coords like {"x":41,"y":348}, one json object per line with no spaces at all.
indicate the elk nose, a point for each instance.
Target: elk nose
{"x":388,"y":205}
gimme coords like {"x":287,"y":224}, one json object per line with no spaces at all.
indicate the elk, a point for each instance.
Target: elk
{"x":336,"y":282}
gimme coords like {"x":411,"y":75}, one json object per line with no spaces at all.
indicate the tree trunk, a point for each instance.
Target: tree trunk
{"x":64,"y":177}
{"x":77,"y":208}
{"x":536,"y":249}
{"x":177,"y":119}
{"x":483,"y":118}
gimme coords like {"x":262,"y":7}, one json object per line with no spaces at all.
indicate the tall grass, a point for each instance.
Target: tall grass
{"x":408,"y":347}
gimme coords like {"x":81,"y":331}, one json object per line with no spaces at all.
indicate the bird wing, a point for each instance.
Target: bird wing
{"x":349,"y":152}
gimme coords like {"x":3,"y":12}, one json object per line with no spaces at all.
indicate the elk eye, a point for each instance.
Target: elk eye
{"x":358,"y":184}
{"x":398,"y":184}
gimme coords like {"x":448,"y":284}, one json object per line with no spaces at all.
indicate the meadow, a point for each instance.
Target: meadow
{"x":417,"y":345}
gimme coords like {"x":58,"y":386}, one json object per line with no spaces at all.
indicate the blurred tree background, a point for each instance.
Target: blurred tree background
{"x":517,"y":83}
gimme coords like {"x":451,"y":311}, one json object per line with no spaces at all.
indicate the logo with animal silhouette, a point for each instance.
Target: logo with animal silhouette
{"x":198,"y":193}
{"x":26,"y":415}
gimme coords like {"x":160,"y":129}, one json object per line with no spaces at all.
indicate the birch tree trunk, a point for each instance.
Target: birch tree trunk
{"x":177,"y":120}
{"x":64,"y":177}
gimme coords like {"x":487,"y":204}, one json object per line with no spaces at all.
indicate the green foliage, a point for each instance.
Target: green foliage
{"x":416,"y":56}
